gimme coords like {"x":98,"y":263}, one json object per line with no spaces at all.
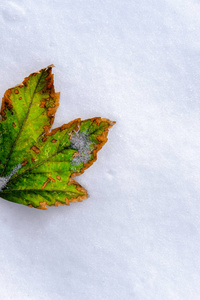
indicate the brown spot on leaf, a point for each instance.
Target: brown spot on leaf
{"x":52,"y":179}
{"x":42,"y":105}
{"x":33,"y":160}
{"x":47,"y":181}
{"x":58,"y":177}
{"x":53,"y":141}
{"x":35,"y":149}
{"x":16,"y":92}
{"x":24,"y":162}
{"x":20,"y":98}
{"x":13,"y":124}
{"x":44,"y":139}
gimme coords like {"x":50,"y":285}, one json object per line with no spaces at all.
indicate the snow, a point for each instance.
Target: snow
{"x":137,"y":237}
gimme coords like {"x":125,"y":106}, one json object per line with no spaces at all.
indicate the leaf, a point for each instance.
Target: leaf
{"x":36,"y":164}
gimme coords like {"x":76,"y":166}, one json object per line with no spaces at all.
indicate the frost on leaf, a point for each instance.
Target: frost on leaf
{"x":5,"y":180}
{"x":36,"y":163}
{"x":82,"y":144}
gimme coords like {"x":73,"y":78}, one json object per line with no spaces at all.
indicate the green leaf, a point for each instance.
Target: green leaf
{"x":27,"y":112}
{"x":37,"y":165}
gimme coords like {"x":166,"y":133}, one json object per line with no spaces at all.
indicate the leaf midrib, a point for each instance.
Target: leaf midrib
{"x":22,"y":126}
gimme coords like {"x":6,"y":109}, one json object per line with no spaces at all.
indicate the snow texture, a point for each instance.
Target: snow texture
{"x":137,"y":237}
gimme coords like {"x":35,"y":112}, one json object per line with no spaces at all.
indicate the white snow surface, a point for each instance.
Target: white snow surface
{"x":137,"y":237}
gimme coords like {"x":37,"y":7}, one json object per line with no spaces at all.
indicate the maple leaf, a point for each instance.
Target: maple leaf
{"x":36,"y":163}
